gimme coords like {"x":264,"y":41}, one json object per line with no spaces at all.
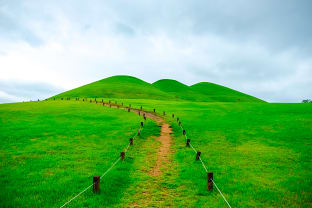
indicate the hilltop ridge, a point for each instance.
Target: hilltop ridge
{"x":128,"y":87}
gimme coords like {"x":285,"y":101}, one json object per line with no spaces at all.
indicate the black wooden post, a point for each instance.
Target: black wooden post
{"x":172,"y":115}
{"x":128,"y":109}
{"x":141,"y":107}
{"x":131,"y":141}
{"x":184,"y":132}
{"x":164,"y":113}
{"x":96,"y":184}
{"x":188,"y":142}
{"x":141,"y":123}
{"x":139,"y":132}
{"x":122,"y":155}
{"x":178,"y":119}
{"x":154,"y":110}
{"x":198,"y":155}
{"x":210,"y":183}
{"x":179,"y":123}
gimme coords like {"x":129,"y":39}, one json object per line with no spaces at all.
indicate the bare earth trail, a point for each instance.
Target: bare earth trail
{"x":157,"y":167}
{"x":165,"y":138}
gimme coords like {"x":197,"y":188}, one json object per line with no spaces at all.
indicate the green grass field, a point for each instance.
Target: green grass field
{"x":51,"y":150}
{"x":260,"y":153}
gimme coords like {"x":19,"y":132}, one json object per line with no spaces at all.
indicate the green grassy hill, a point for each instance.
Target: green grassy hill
{"x":180,"y":90}
{"x":220,"y":93}
{"x":117,"y":87}
{"x":127,"y":87}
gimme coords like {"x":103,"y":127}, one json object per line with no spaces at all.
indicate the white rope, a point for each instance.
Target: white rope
{"x":193,"y":148}
{"x":91,"y":184}
{"x":126,"y":149}
{"x":203,"y":165}
{"x":110,"y":167}
{"x":221,"y":194}
{"x":100,"y":177}
{"x":76,"y":196}
{"x":207,"y":170}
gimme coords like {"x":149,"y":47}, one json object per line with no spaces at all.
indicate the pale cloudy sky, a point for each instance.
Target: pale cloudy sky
{"x":263,"y":48}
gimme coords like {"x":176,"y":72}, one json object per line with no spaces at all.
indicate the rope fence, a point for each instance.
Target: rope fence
{"x":121,"y":157}
{"x":203,"y":164}
{"x":211,"y":182}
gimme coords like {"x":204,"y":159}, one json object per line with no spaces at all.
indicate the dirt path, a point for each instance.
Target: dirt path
{"x":162,"y":155}
{"x":165,"y":138}
{"x":153,"y":187}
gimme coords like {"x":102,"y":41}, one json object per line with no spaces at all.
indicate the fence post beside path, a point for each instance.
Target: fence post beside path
{"x":96,"y":184}
{"x":188,"y":142}
{"x":198,"y":155}
{"x":122,"y":155}
{"x":210,"y":183}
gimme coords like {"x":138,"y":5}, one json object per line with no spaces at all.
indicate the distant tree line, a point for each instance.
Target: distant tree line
{"x":307,"y":101}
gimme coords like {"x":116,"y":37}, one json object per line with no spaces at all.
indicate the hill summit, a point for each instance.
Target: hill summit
{"x":129,"y":87}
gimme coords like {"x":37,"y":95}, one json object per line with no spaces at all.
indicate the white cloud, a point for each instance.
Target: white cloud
{"x":67,"y":44}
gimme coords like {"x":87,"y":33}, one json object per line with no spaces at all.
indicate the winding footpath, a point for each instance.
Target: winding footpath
{"x":165,"y":138}
{"x":150,"y":192}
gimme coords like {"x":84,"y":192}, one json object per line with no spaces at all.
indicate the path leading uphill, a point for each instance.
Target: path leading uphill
{"x":165,"y":138}
{"x":157,"y":169}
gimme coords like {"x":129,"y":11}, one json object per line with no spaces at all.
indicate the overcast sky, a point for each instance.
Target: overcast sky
{"x":263,"y":48}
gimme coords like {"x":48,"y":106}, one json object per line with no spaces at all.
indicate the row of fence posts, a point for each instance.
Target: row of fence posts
{"x":96,"y":179}
{"x":198,"y":153}
{"x":122,"y":155}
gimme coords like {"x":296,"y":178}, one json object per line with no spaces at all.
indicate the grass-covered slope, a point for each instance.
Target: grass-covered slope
{"x":260,"y":153}
{"x":50,"y":150}
{"x":220,"y":93}
{"x":127,"y":87}
{"x":180,"y":90}
{"x":117,"y":87}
